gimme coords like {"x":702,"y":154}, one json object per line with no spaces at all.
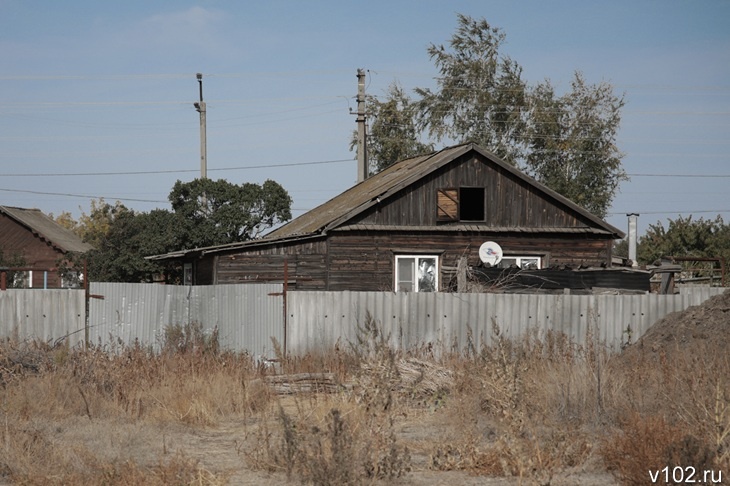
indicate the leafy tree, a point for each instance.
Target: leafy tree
{"x":65,"y":219}
{"x":572,"y":142}
{"x":205,"y":213}
{"x":481,"y":95}
{"x":685,"y":237}
{"x":219,"y":212}
{"x":119,"y":254}
{"x":393,"y":132}
{"x":566,"y":141}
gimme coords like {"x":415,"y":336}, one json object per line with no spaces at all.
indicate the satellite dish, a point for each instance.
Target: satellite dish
{"x":490,"y":252}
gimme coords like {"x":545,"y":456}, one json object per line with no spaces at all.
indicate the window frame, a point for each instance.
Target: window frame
{"x":521,"y":256}
{"x":449,"y":204}
{"x":415,"y":280}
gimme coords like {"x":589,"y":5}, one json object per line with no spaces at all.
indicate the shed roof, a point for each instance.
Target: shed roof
{"x":46,"y":228}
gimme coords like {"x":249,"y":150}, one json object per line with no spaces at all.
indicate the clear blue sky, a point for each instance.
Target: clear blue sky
{"x":97,"y":87}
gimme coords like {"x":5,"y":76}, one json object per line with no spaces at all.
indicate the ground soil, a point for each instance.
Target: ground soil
{"x":699,"y":331}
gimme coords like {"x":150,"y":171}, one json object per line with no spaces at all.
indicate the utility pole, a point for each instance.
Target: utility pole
{"x":200,"y":106}
{"x":362,"y":160}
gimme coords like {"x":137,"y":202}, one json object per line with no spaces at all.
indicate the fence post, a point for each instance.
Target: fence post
{"x":3,"y":280}
{"x":283,"y":293}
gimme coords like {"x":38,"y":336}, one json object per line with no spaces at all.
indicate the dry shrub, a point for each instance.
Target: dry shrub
{"x":352,"y":443}
{"x":503,"y":410}
{"x":29,"y":456}
{"x":691,"y":388}
{"x":650,"y":443}
{"x":103,"y":384}
{"x":190,"y":338}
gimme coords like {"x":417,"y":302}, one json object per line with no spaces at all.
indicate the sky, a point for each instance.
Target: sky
{"x":96,"y":98}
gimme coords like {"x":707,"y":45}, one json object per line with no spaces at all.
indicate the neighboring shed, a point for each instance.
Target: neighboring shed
{"x":39,"y":241}
{"x":407,"y":228}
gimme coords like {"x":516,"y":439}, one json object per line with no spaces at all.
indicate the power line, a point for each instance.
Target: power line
{"x":175,"y":171}
{"x":715,"y":211}
{"x":85,"y":196}
{"x":712,"y":176}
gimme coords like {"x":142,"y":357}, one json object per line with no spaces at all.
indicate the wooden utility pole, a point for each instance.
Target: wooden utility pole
{"x":200,"y":106}
{"x":362,"y":161}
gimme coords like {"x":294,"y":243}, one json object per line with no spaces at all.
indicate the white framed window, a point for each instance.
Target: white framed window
{"x":524,"y":262}
{"x":416,"y":273}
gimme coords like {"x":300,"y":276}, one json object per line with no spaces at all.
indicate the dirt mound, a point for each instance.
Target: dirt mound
{"x":701,"y":331}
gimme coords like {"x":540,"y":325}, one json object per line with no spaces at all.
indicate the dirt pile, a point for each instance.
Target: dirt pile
{"x":701,"y":331}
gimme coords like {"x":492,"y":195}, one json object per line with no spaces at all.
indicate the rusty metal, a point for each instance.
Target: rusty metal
{"x":720,"y":260}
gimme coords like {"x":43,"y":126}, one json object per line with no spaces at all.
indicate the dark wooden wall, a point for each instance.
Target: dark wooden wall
{"x":306,"y":265}
{"x":363,"y":260}
{"x":510,"y":201}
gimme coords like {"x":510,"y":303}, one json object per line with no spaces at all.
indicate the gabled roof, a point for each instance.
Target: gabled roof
{"x":44,"y":227}
{"x":382,"y":185}
{"x":335,"y":213}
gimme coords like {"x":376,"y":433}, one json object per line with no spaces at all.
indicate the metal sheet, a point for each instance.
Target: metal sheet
{"x":321,"y":320}
{"x":47,"y":315}
{"x":246,"y":316}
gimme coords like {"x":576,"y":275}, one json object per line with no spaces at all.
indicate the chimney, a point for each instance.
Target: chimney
{"x":633,"y":220}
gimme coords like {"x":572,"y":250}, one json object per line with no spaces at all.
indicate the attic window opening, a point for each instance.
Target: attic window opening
{"x":462,"y":204}
{"x":471,"y":204}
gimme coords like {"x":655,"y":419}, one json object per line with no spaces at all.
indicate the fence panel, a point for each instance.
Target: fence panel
{"x":319,"y":320}
{"x":47,"y":315}
{"x":246,"y":315}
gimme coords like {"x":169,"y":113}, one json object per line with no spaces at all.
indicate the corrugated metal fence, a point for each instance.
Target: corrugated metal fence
{"x":43,"y":314}
{"x":248,"y":315}
{"x":318,"y":320}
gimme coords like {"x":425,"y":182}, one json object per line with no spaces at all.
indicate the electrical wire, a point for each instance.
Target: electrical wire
{"x":174,"y":171}
{"x":84,"y":196}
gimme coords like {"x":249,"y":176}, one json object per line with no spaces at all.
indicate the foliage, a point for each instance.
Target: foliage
{"x":684,"y":237}
{"x":393,"y":134}
{"x":481,"y":94}
{"x":566,"y":141}
{"x":12,"y":278}
{"x":571,"y":141}
{"x":219,"y":212}
{"x":205,"y":213}
{"x":119,"y":254}
{"x":66,"y":220}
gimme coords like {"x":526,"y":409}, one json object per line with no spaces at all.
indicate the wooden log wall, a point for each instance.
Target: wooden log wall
{"x":509,"y":200}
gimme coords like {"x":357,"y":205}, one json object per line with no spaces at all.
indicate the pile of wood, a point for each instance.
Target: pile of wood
{"x":303,"y":383}
{"x":414,"y":377}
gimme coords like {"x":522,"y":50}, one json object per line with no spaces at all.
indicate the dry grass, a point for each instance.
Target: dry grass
{"x":538,"y":409}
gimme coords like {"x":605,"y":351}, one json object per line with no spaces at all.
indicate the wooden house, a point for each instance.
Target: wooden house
{"x":409,"y":226}
{"x":39,"y":242}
